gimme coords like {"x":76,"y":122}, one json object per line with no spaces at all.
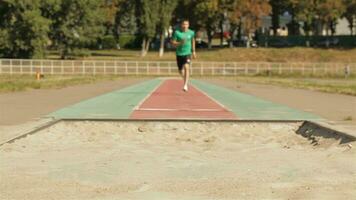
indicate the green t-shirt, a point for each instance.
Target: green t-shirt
{"x":186,"y":48}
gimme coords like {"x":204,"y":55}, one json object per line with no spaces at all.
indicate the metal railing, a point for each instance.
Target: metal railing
{"x":161,"y":68}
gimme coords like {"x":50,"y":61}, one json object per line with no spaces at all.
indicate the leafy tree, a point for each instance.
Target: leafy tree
{"x":350,"y":14}
{"x":166,"y":8}
{"x":249,"y":13}
{"x":23,"y":30}
{"x":125,"y":19}
{"x":185,"y":9}
{"x":305,"y":10}
{"x":278,"y":8}
{"x":208,"y":13}
{"x":325,"y":12}
{"x":147,"y":13}
{"x":234,"y":16}
{"x":225,"y":6}
{"x":328,"y":12}
{"x":74,"y":23}
{"x":111,"y":8}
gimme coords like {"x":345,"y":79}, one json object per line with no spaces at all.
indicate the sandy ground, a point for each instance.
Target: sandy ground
{"x":333,"y":107}
{"x":21,"y":107}
{"x":190,"y":161}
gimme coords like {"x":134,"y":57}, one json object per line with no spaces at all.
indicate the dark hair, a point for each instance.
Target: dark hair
{"x":184,"y":20}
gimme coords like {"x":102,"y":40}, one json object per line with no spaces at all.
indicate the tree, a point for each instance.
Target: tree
{"x":23,"y":30}
{"x":278,"y":8}
{"x":249,"y":13}
{"x":125,"y":19}
{"x":293,"y":10}
{"x":111,"y":8}
{"x":207,"y":12}
{"x":185,"y":9}
{"x":325,"y":12}
{"x":148,"y":17}
{"x":166,"y":10}
{"x":234,"y":15}
{"x":74,"y":23}
{"x":224,"y":9}
{"x":305,"y":10}
{"x":350,"y":14}
{"x":147,"y":13}
{"x":328,"y":12}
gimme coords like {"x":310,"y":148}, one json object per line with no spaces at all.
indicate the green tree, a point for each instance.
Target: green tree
{"x":208,"y":15}
{"x":186,"y":9}
{"x":111,"y":8}
{"x":328,"y":12}
{"x":252,"y":12}
{"x":166,"y":8}
{"x":23,"y":30}
{"x":350,"y":14}
{"x":278,"y":8}
{"x":305,"y":10}
{"x":74,"y":23}
{"x":224,"y":9}
{"x":147,"y":13}
{"x":125,"y":19}
{"x":293,"y":26}
{"x":234,"y":16}
{"x":313,"y":12}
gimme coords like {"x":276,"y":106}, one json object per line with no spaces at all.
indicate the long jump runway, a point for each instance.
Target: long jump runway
{"x":169,"y":101}
{"x":165,"y":99}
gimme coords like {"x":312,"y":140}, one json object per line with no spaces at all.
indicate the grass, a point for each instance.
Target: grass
{"x":329,"y":85}
{"x":17,"y":83}
{"x":297,"y":54}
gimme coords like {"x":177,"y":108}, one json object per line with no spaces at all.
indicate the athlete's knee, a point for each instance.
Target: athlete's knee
{"x":186,"y":66}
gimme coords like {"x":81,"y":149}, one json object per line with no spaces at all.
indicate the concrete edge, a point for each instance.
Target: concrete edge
{"x":308,"y":129}
{"x":31,"y":131}
{"x":181,"y":120}
{"x":312,"y":129}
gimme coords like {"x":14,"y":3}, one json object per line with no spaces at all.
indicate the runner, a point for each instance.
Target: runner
{"x":184,"y":41}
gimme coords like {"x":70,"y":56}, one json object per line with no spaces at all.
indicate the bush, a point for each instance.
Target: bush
{"x":109,"y":42}
{"x":75,"y":53}
{"x":129,"y":41}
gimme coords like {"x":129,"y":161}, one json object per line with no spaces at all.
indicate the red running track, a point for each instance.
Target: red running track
{"x":169,"y":101}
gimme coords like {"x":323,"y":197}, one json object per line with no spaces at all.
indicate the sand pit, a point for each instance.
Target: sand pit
{"x":176,"y":160}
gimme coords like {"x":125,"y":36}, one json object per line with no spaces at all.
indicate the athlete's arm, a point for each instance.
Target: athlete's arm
{"x":193,"y":48}
{"x":175,"y":43}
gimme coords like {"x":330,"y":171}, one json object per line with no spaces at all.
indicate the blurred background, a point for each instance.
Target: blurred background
{"x":65,"y":29}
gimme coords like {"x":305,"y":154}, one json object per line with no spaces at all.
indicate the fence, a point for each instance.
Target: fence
{"x":142,"y":68}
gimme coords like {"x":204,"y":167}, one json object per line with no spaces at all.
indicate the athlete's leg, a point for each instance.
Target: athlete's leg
{"x":181,"y":73}
{"x":186,"y":76}
{"x":180,"y":66}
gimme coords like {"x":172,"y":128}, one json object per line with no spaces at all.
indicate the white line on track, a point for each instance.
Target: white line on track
{"x":216,"y":101}
{"x":171,"y":109}
{"x":137,"y":107}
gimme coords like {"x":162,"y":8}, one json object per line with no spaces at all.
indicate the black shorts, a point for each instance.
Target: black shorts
{"x":182,"y":60}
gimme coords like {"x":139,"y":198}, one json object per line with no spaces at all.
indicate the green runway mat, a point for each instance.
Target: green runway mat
{"x":114,"y":105}
{"x":121,"y":103}
{"x":248,"y":107}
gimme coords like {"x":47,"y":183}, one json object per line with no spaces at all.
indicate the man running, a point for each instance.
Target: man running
{"x":184,"y":41}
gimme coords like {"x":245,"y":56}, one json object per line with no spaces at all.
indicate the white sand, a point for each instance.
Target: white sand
{"x":156,"y":160}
